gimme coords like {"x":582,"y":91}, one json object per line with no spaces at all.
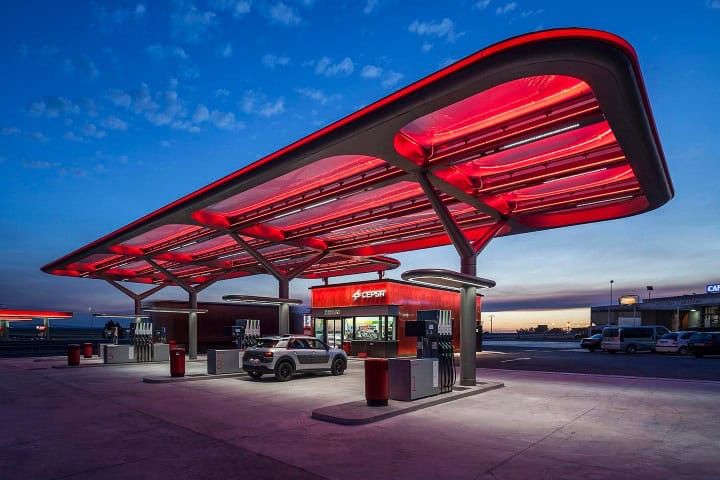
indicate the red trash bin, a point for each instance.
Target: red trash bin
{"x":87,"y":350}
{"x":73,"y":354}
{"x":177,"y":362}
{"x":377,"y":390}
{"x":346,"y":347}
{"x":172,"y":344}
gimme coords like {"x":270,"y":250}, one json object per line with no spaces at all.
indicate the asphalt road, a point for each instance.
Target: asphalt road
{"x":576,"y":360}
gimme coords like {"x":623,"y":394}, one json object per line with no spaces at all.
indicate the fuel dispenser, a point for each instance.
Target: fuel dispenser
{"x":143,"y":342}
{"x":437,"y":343}
{"x":251,"y":333}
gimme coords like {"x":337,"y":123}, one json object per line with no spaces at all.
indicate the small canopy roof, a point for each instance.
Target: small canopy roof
{"x":540,"y":131}
{"x":25,"y":315}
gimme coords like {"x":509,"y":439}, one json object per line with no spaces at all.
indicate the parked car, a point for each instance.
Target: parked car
{"x":673,"y":342}
{"x":285,"y":355}
{"x":704,"y":343}
{"x":632,"y":339}
{"x":592,"y":342}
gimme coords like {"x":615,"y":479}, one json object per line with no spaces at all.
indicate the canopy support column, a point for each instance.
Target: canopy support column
{"x":283,"y":279}
{"x":192,"y":326}
{"x":468,"y":265}
{"x":137,"y":297}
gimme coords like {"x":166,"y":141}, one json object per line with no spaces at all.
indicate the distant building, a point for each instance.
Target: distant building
{"x":684,"y":312}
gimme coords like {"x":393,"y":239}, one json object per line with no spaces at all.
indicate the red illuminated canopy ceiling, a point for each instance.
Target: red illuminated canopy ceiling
{"x":540,"y":131}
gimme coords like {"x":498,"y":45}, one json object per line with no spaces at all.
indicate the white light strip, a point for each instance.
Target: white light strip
{"x":453,"y":280}
{"x":324,"y":202}
{"x":617,"y":199}
{"x":291,"y":212}
{"x":183,"y":245}
{"x":226,"y":256}
{"x":573,"y":176}
{"x":539,"y":137}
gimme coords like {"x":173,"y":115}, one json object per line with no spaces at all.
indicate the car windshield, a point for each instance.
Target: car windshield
{"x":597,"y":336}
{"x":669,"y":336}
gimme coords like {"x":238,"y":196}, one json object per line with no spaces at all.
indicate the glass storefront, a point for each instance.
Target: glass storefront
{"x":336,"y":330}
{"x":711,"y":316}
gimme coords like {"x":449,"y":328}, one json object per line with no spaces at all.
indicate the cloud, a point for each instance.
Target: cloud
{"x":237,"y":7}
{"x":426,"y":47}
{"x":139,"y":9}
{"x":39,"y":164}
{"x":114,"y":123}
{"x":317,"y":95}
{"x":166,"y":143}
{"x":507,"y":8}
{"x":111,"y":19}
{"x":90,"y":130}
{"x":119,"y":98}
{"x":271,"y":61}
{"x":190,"y":24}
{"x":226,"y":51}
{"x":82,"y":64}
{"x":39,"y":136}
{"x":284,"y":15}
{"x":443,"y":29}
{"x":221,"y":92}
{"x":257,"y":104}
{"x":391,"y":79}
{"x":201,"y":114}
{"x":325,"y":67}
{"x":371,"y":71}
{"x":482,"y":4}
{"x":388,"y":78}
{"x":9,"y":131}
{"x":370,"y":6}
{"x":73,"y":137}
{"x":160,"y":52}
{"x":52,"y":107}
{"x":712,"y":3}
{"x":225,"y":120}
{"x":88,"y":106}
{"x":531,"y":13}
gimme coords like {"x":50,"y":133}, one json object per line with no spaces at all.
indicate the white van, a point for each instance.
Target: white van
{"x":632,"y":339}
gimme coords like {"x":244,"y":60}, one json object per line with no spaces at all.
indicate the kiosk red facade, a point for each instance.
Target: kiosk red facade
{"x":375,"y":313}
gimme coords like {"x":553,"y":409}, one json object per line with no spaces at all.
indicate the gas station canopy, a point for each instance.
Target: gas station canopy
{"x":540,"y":131}
{"x":24,"y":315}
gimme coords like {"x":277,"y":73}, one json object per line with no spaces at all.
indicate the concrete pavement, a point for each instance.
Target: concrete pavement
{"x":106,"y":423}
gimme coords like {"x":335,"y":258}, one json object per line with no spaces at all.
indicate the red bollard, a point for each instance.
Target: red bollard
{"x":377,"y":390}
{"x":87,"y":350}
{"x":177,"y":362}
{"x":172,"y":344}
{"x":73,"y":354}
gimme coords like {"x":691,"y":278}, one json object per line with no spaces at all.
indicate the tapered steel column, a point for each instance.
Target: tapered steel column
{"x":468,"y":324}
{"x":284,"y":308}
{"x":5,"y":325}
{"x":46,"y":322}
{"x":192,"y":327}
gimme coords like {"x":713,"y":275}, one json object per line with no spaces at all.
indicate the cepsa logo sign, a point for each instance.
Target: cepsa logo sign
{"x":713,"y":288}
{"x":367,"y":294}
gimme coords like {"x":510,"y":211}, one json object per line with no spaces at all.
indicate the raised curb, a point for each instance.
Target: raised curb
{"x":358,"y":413}
{"x":101,"y":364}
{"x":190,"y":378}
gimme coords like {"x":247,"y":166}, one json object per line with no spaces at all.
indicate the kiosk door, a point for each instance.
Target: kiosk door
{"x":333,"y":330}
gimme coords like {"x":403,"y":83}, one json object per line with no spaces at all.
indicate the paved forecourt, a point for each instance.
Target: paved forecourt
{"x":105,"y":422}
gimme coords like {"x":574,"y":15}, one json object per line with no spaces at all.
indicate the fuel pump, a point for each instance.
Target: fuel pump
{"x":437,"y":343}
{"x":143,"y":342}
{"x":252,"y":333}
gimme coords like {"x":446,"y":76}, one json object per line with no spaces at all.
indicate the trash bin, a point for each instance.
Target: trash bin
{"x":87,"y":350}
{"x":377,"y":391}
{"x":73,"y":354}
{"x":346,"y":347}
{"x":177,"y":362}
{"x":172,"y":344}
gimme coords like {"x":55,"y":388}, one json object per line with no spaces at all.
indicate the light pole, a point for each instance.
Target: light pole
{"x":649,"y":289}
{"x":610,"y":304}
{"x":491,"y":317}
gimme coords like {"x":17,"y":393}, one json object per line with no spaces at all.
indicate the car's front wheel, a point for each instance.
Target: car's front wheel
{"x":592,"y":349}
{"x":338,"y":366}
{"x":284,"y":371}
{"x":255,"y":375}
{"x":683,"y":350}
{"x":631,"y":349}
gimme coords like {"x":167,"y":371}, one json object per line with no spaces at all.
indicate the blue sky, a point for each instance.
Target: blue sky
{"x":114,"y":109}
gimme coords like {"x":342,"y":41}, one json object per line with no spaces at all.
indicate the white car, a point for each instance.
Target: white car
{"x":674,"y":342}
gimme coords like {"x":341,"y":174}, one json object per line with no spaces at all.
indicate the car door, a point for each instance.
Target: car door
{"x":304,"y":355}
{"x":321,"y":356}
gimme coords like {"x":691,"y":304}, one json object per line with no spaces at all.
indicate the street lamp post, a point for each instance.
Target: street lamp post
{"x":611,"y":301}
{"x":491,"y":317}
{"x":649,"y":289}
